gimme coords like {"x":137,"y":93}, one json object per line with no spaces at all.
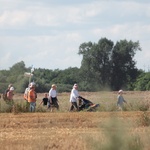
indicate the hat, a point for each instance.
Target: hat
{"x":120,"y":91}
{"x":53,"y":85}
{"x":12,"y":89}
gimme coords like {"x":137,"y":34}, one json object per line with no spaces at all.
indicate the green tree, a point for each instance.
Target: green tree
{"x":124,"y":70}
{"x":143,"y":82}
{"x":18,"y":68}
{"x":95,"y":64}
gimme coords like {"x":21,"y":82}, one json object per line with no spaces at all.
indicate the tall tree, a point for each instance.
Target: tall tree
{"x":123,"y":64}
{"x":96,"y":61}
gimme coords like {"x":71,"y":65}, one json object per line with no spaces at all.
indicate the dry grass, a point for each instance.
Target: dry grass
{"x":76,"y":130}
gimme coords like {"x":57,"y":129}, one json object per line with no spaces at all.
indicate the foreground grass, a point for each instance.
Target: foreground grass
{"x":70,"y":131}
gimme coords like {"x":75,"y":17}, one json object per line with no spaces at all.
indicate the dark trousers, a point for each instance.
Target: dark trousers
{"x":73,"y":105}
{"x":54,"y":103}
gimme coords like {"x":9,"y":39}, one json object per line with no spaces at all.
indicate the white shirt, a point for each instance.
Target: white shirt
{"x":52,"y":93}
{"x":74,"y":94}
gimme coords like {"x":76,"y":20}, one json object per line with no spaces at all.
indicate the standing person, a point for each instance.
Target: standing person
{"x":32,"y":96}
{"x":120,"y":100}
{"x":26,"y":96}
{"x":73,"y":98}
{"x":45,"y":101}
{"x":6,"y":91}
{"x":10,"y":95}
{"x":26,"y":93}
{"x":53,"y":98}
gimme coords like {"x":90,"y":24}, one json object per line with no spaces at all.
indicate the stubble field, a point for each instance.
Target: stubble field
{"x":106,"y":129}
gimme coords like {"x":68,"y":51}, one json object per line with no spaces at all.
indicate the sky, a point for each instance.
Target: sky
{"x":47,"y":33}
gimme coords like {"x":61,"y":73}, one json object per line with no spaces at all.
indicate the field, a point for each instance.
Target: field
{"x":106,"y":129}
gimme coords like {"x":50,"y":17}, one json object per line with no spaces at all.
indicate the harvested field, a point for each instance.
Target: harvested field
{"x":65,"y":130}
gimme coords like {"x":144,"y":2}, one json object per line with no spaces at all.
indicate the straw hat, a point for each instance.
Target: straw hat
{"x":53,"y":85}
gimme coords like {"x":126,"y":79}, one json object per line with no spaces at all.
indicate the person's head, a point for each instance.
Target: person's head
{"x":32,"y":85}
{"x":75,"y":86}
{"x":11,"y":89}
{"x":120,"y":92}
{"x":45,"y":95}
{"x":54,"y":86}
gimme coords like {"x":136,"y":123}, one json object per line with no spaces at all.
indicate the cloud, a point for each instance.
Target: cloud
{"x":48,"y":33}
{"x":5,"y":60}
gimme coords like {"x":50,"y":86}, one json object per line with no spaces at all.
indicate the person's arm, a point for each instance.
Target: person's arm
{"x":41,"y":102}
{"x":50,"y":98}
{"x":124,"y":101}
{"x":8,"y":95}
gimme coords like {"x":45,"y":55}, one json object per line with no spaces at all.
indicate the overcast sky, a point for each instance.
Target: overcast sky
{"x":48,"y":33}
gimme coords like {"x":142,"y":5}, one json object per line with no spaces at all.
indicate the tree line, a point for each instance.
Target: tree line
{"x":104,"y":66}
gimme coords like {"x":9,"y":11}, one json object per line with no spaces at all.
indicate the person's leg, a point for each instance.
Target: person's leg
{"x":120,"y":107}
{"x":27,"y":105}
{"x":32,"y":106}
{"x":48,"y":105}
{"x":71,"y":107}
{"x":57,"y":105}
{"x":75,"y":105}
{"x":55,"y":102}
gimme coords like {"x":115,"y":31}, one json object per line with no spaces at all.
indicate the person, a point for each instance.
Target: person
{"x":6,"y":91}
{"x":45,"y":101}
{"x":26,"y":93}
{"x":73,"y":98}
{"x":53,"y":98}
{"x":120,"y":100}
{"x":87,"y":104}
{"x":10,"y":95}
{"x":32,"y":96}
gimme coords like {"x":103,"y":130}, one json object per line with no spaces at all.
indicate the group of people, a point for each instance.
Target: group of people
{"x":79,"y":103}
{"x":50,"y":101}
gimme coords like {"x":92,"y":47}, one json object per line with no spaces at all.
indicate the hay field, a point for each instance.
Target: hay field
{"x":65,"y":130}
